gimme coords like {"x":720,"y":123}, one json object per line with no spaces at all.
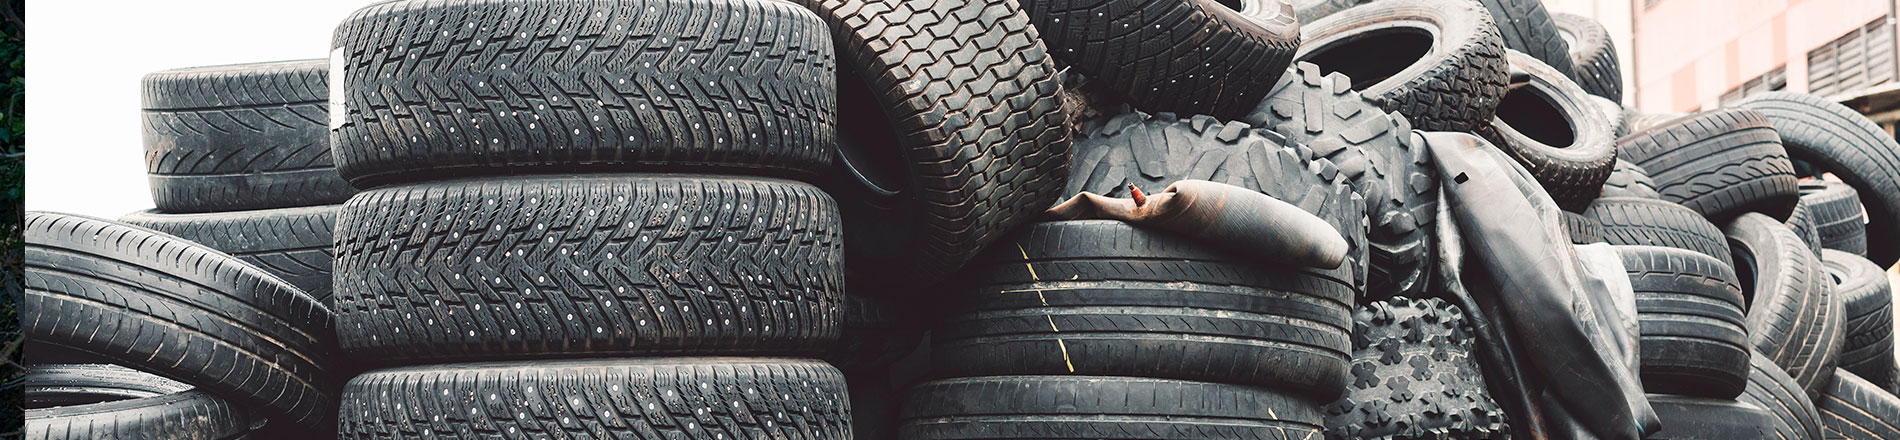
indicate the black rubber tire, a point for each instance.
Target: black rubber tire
{"x":1309,"y":11}
{"x":1825,"y":136}
{"x":1191,"y":56}
{"x":1650,"y":222}
{"x":1721,"y":163}
{"x":1377,"y":151}
{"x":1866,"y":294}
{"x":1096,"y":407}
{"x":1414,"y":376}
{"x":1628,"y":180}
{"x":1593,"y":53}
{"x":170,"y":307}
{"x":1793,"y":315}
{"x":1154,"y":151}
{"x":436,"y":89}
{"x":1802,"y":222}
{"x":1527,"y":27}
{"x":292,"y":243}
{"x":240,"y":137}
{"x":1693,"y":418}
{"x":1772,"y":389}
{"x":1689,"y":308}
{"x":1838,"y":218}
{"x":700,"y":398}
{"x":1441,"y":64}
{"x":1105,"y":298}
{"x":108,"y":401}
{"x":1582,"y":230}
{"x":876,"y":333}
{"x":1636,"y":120}
{"x":588,"y":264}
{"x":1853,"y":408}
{"x":953,"y":133}
{"x":1561,"y":138}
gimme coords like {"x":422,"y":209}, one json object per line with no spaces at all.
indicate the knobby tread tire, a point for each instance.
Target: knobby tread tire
{"x":1457,"y":84}
{"x":526,"y":267}
{"x":240,"y":137}
{"x":1594,"y":54}
{"x":1721,"y":163}
{"x":1770,"y":388}
{"x":1853,"y":408}
{"x":1867,"y":296}
{"x":292,"y":243}
{"x":1414,"y":376}
{"x":731,"y":398}
{"x":1532,"y":123}
{"x":1794,"y":317}
{"x":1839,"y":219}
{"x":1628,"y":180}
{"x":129,"y":404}
{"x":1650,"y":222}
{"x":441,"y":88}
{"x":1833,"y":138}
{"x":1193,"y":56}
{"x":1527,"y":27}
{"x":1097,"y":407}
{"x":1694,"y":340}
{"x":163,"y":305}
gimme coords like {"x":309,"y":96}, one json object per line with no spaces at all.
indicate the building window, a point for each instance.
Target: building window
{"x":1862,"y":58}
{"x":1768,"y":82}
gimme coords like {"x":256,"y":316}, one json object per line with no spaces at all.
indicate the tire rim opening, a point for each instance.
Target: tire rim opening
{"x":1399,"y":48}
{"x":1531,"y":111}
{"x":1235,"y":5}
{"x":867,"y":147}
{"x":1744,"y":271}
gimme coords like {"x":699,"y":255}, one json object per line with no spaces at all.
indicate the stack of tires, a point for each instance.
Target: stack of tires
{"x":587,"y":219}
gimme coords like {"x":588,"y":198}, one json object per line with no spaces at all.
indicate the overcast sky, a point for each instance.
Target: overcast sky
{"x":84,"y":61}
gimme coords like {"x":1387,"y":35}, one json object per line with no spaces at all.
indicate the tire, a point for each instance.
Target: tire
{"x":184,"y":311}
{"x":1527,"y":27}
{"x":1839,"y":219}
{"x":875,"y":334}
{"x":1689,"y":309}
{"x":1196,"y":56}
{"x":589,"y":264}
{"x":1628,"y":180}
{"x":1095,"y":407}
{"x":1721,"y":163}
{"x":1802,"y":222}
{"x":1636,"y":120}
{"x":1612,"y":112}
{"x":1793,"y":315}
{"x":240,"y":137}
{"x":1868,"y":298}
{"x":1772,"y":389}
{"x":1414,"y":376}
{"x":729,"y":398}
{"x":1853,"y":408}
{"x":954,"y":133}
{"x":1693,"y":418}
{"x":292,"y":243}
{"x":1582,"y":230}
{"x":1594,"y":55}
{"x":1824,"y":136}
{"x":1443,"y":65}
{"x":1647,"y":222}
{"x":1546,"y":125}
{"x":756,"y":97}
{"x":1378,"y":154}
{"x":1155,"y":151}
{"x":109,"y":401}
{"x":1104,"y":298}
{"x":1309,"y":11}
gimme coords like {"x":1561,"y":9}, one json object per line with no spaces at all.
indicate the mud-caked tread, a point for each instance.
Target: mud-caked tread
{"x":1853,"y":408}
{"x":1527,"y":27}
{"x":291,"y":243}
{"x":1377,"y":152}
{"x":1701,"y":418}
{"x":1839,"y":218}
{"x":439,"y":88}
{"x":166,"y":306}
{"x":1456,"y":86}
{"x":1581,"y":229}
{"x":240,"y":137}
{"x":126,"y":404}
{"x":1770,"y":388}
{"x":1650,"y":222}
{"x":1829,"y":137}
{"x":1689,"y":311}
{"x":1866,"y":294}
{"x":1105,"y":298}
{"x":1192,"y":56}
{"x":1594,"y":54}
{"x":709,"y":398}
{"x":1628,"y":180}
{"x":1097,"y":407}
{"x":1547,"y":125}
{"x":1414,"y":376}
{"x":526,"y":267}
{"x":1721,"y":163}
{"x":1794,"y":317}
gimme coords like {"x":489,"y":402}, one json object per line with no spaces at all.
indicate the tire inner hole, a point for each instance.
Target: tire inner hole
{"x":1529,"y":110}
{"x":1397,"y":49}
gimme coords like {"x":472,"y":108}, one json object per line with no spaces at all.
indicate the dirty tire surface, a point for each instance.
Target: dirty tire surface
{"x":1866,"y":294}
{"x":1649,"y":222}
{"x":1594,"y":54}
{"x":1794,"y":317}
{"x":109,"y":401}
{"x":1451,"y":84}
{"x":1770,"y":388}
{"x":292,"y":243}
{"x":1853,"y":408}
{"x":1191,"y":56}
{"x":1413,"y":376}
{"x":240,"y":137}
{"x":1721,"y":163}
{"x":1097,"y":407}
{"x":1831,"y":137}
{"x":1689,"y":310}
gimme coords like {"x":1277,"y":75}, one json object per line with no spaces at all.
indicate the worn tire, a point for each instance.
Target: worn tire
{"x":1865,"y":293}
{"x":1594,"y":54}
{"x":1839,"y":219}
{"x":1694,"y":418}
{"x":1770,"y":388}
{"x":1793,"y":315}
{"x":1721,"y":163}
{"x":1442,"y":64}
{"x":1824,"y":136}
{"x":1649,"y":222}
{"x":1376,"y":150}
{"x":1628,"y":180}
{"x":1527,"y":27}
{"x":169,"y":307}
{"x":1096,"y":407}
{"x":1105,"y":298}
{"x":1581,"y":229}
{"x":1155,"y":151}
{"x":953,"y":133}
{"x":437,"y":89}
{"x":1802,"y":222}
{"x":731,"y":398}
{"x":240,"y":137}
{"x":1853,"y":408}
{"x":1414,"y":376}
{"x":1193,"y":56}
{"x":1561,"y":138}
{"x":292,"y":243}
{"x":1689,"y":311}
{"x":110,"y":402}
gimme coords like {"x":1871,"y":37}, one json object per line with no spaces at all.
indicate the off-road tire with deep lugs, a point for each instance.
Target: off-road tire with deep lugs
{"x":1414,"y":375}
{"x":1188,"y":56}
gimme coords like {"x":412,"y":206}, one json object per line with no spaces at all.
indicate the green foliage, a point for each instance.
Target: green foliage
{"x":12,"y":195}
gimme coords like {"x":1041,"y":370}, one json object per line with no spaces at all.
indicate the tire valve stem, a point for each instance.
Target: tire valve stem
{"x":1140,"y":199}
